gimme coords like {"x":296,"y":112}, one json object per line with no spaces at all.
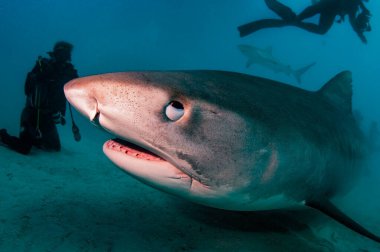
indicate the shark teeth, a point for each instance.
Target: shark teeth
{"x":132,"y":150}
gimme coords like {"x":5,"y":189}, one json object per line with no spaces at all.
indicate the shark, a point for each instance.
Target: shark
{"x":264,"y":57}
{"x":229,"y":140}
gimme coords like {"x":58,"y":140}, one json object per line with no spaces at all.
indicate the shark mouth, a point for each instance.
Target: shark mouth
{"x":126,"y":147}
{"x":132,"y":150}
{"x":138,"y":160}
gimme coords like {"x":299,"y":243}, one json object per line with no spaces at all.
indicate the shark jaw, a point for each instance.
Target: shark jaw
{"x":131,"y":149}
{"x":146,"y":166}
{"x":150,"y":168}
{"x":155,"y":171}
{"x":140,"y":161}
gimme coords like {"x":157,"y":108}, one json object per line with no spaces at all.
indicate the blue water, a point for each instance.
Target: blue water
{"x":124,"y":215}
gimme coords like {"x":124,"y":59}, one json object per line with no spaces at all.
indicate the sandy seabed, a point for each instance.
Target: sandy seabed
{"x":77,"y":200}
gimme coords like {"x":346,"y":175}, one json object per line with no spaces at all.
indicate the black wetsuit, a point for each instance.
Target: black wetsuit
{"x":328,"y":10}
{"x":44,"y":98}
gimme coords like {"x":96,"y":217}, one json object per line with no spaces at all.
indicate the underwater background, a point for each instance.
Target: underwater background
{"x":77,"y":200}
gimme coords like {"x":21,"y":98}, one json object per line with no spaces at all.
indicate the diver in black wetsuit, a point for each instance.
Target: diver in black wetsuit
{"x":328,"y":10}
{"x":45,"y":102}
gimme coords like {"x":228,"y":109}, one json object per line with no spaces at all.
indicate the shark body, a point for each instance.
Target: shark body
{"x":265,"y":58}
{"x":229,"y":140}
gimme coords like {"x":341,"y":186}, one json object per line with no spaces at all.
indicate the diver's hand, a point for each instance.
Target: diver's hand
{"x":362,"y":38}
{"x":58,"y":118}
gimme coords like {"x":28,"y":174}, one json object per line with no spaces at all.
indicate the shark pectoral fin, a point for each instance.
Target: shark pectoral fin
{"x":328,"y":208}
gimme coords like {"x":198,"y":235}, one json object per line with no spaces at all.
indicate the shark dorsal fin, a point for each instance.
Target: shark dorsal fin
{"x":339,"y":91}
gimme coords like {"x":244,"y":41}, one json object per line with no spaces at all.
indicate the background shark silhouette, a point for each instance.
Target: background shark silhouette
{"x":265,"y":58}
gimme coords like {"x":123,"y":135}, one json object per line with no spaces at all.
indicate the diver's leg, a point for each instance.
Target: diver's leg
{"x":23,"y":143}
{"x":15,"y":143}
{"x":326,"y":20}
{"x":281,"y":10}
{"x":325,"y":23}
{"x":51,"y":141}
{"x":254,"y":26}
{"x":310,"y":11}
{"x":50,"y":138}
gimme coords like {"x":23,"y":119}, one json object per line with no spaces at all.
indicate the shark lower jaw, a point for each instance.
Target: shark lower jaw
{"x":155,"y":171}
{"x":132,"y":150}
{"x":147,"y":166}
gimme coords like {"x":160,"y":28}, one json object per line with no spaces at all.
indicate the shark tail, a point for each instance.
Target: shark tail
{"x":328,"y":208}
{"x":298,"y":73}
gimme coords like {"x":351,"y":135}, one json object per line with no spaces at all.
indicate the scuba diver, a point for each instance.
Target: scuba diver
{"x":328,"y":10}
{"x":45,"y":103}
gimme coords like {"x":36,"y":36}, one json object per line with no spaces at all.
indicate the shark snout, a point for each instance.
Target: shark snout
{"x":79,"y":93}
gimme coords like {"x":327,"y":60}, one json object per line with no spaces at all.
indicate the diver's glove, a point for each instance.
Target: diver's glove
{"x":362,"y":38}
{"x":58,"y":118}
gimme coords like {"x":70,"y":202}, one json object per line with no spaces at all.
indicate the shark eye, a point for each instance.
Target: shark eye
{"x":174,"y":110}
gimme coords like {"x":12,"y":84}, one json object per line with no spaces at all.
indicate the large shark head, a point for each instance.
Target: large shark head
{"x":217,"y":138}
{"x":175,"y":132}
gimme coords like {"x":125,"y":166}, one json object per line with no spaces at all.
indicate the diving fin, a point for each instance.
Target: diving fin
{"x":328,"y":208}
{"x":254,"y":26}
{"x":281,"y":10}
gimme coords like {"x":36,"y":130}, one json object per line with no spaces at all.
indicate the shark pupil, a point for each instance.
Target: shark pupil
{"x":176,"y":105}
